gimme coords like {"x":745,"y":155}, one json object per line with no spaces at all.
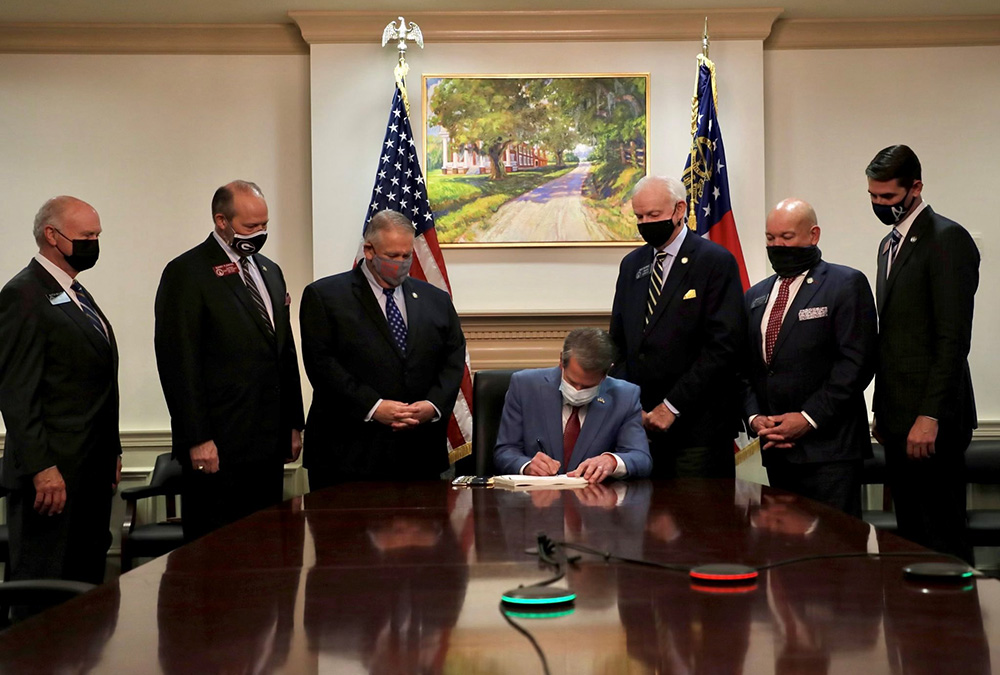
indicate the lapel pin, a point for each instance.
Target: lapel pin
{"x":684,"y":261}
{"x":600,"y":399}
{"x":809,"y":280}
{"x":414,"y":294}
{"x":263,"y":268}
{"x":912,"y":239}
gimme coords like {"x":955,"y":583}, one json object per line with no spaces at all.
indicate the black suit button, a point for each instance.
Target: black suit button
{"x":770,"y":373}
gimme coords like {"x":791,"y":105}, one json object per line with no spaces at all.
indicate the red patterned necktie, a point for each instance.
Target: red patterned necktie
{"x":570,"y":434}
{"x":774,"y":321}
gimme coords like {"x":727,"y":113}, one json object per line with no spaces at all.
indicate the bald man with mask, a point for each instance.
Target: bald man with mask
{"x":59,"y":398}
{"x":812,"y":331}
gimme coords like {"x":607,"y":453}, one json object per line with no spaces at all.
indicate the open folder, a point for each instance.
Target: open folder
{"x":520,"y":482}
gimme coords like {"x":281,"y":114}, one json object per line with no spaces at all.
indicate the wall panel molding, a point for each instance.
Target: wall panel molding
{"x":521,"y":340}
{"x":323,"y":27}
{"x":928,"y":31}
{"x":136,"y":38}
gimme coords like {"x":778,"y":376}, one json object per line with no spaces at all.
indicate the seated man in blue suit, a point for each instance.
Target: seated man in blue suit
{"x":574,"y":419}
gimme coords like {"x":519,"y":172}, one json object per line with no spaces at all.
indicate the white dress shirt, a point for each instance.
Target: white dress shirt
{"x":64,"y":280}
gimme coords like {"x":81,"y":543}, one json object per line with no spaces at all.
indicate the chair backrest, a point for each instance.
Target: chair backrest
{"x":489,"y":388}
{"x":166,"y":473}
{"x":982,"y":462}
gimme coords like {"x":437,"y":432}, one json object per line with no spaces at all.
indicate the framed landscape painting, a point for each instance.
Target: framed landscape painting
{"x":535,"y":160}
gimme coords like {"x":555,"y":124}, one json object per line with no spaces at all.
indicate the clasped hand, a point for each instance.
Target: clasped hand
{"x":399,"y":415}
{"x":780,"y":431}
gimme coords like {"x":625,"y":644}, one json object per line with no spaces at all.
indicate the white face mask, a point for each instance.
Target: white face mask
{"x":576,"y":397}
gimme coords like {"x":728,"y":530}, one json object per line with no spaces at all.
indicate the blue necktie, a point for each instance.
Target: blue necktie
{"x":894,"y":238}
{"x":87,"y":305}
{"x":395,"y":318}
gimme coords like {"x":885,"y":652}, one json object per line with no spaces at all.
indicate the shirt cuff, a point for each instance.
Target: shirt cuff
{"x":671,"y":408}
{"x":523,"y":467}
{"x":810,"y":420}
{"x":620,"y":470}
{"x":371,"y":413}
{"x":751,"y":419}
{"x":437,"y":413}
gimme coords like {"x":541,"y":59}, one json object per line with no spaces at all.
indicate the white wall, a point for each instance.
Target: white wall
{"x":352,"y":86}
{"x":829,"y":111}
{"x":146,"y":140}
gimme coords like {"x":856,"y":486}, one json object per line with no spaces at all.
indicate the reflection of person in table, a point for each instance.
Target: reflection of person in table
{"x":573,"y":419}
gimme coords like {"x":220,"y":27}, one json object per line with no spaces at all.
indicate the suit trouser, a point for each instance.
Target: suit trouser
{"x":929,"y":494}
{"x":837,"y":484}
{"x":209,"y":501}
{"x":705,"y":461}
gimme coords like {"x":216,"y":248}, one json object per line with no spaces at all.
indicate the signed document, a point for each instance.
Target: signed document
{"x":520,"y":482}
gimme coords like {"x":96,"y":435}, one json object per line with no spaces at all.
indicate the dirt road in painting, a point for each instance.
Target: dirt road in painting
{"x":551,"y":212}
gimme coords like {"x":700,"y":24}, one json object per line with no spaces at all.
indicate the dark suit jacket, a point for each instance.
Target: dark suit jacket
{"x":691,"y":349}
{"x":823,"y":359}
{"x":925,"y":312}
{"x":223,"y":376}
{"x":352,"y":362}
{"x":58,"y":384}
{"x":532,"y":411}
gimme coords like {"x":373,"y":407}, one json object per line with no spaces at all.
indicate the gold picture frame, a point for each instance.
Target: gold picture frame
{"x":566,"y":150}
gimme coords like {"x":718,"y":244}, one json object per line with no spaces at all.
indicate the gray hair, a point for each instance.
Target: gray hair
{"x":384,"y":220}
{"x":592,"y":348}
{"x":674,"y":187}
{"x":51,"y":213}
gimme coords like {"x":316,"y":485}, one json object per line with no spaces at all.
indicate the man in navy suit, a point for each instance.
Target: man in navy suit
{"x":928,"y":272}
{"x":812,"y":331}
{"x":679,"y":326}
{"x":573,"y":419}
{"x":385,"y":355}
{"x":227,"y":364}
{"x":59,"y":398}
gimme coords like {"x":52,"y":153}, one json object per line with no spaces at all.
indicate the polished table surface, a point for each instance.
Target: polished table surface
{"x":406,"y":578}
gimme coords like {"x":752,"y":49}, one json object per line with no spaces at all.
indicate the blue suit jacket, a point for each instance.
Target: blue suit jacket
{"x":532,"y":421}
{"x":823,"y":359}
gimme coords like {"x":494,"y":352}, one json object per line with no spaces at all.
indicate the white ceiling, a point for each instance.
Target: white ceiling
{"x":275,"y":11}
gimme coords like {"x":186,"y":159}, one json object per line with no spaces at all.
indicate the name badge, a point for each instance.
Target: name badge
{"x":812,"y":313}
{"x":757,"y":302}
{"x":643,"y":272}
{"x":59,"y":298}
{"x":226,"y":270}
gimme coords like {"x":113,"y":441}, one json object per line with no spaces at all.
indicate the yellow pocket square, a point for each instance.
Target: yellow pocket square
{"x":690,"y":295}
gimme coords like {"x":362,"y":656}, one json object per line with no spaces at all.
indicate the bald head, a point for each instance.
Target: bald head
{"x":792,"y":223}
{"x":56,"y":211}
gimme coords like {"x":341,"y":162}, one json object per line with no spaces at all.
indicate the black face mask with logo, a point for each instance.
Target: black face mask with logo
{"x":891,"y":214}
{"x":791,"y":261}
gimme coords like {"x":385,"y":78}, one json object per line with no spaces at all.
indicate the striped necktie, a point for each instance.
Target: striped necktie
{"x":87,"y":305}
{"x":895,"y":238}
{"x":255,"y":295}
{"x":655,"y":284}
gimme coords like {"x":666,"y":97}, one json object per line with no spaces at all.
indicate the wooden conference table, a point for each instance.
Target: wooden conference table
{"x":396,"y":578}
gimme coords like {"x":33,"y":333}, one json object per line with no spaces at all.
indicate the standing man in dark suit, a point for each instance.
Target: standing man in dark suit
{"x":59,"y":398}
{"x":573,"y":418}
{"x":928,"y":272}
{"x":812,"y":335}
{"x":385,"y":355}
{"x":227,"y":364}
{"x":679,"y":326}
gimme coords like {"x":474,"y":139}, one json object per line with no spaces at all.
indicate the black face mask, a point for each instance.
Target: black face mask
{"x":657,"y":233}
{"x":790,"y":261}
{"x":892,"y":214}
{"x":85,"y":252}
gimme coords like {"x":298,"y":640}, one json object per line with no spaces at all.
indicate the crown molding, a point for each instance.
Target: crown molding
{"x":136,"y":38}
{"x":322,"y":27}
{"x":926,"y":31}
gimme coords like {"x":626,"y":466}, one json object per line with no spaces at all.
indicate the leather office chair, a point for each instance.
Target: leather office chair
{"x":982,"y":466}
{"x":153,"y":539}
{"x":489,"y":387}
{"x":874,"y":473}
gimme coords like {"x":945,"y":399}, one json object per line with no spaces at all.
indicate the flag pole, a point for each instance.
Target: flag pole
{"x":704,"y":40}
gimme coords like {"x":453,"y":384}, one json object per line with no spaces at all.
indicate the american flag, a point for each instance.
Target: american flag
{"x":706,"y":175}
{"x":400,"y":186}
